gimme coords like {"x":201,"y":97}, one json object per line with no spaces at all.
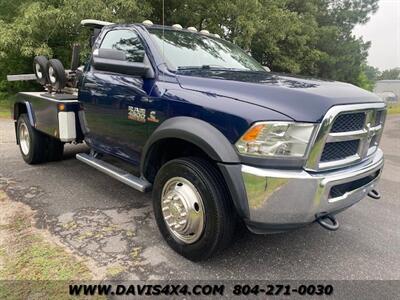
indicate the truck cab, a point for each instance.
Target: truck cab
{"x":218,"y":140}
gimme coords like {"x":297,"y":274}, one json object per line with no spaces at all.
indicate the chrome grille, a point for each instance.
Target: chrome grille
{"x":349,"y":122}
{"x":348,"y":134}
{"x":378,"y":117}
{"x":339,"y":150}
{"x":374,"y":141}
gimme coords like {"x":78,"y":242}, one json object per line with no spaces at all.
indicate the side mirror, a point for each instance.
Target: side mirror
{"x":267,"y":69}
{"x":113,"y":60}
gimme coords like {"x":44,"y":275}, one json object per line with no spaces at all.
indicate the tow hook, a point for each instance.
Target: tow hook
{"x":328,"y":222}
{"x":374,"y":194}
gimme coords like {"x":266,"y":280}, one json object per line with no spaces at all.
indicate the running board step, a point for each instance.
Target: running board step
{"x":115,"y":172}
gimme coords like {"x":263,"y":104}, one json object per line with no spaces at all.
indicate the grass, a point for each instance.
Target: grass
{"x":31,"y":257}
{"x":114,"y":271}
{"x":6,"y":103}
{"x":394,"y":109}
{"x":39,"y":260}
{"x":32,"y":264}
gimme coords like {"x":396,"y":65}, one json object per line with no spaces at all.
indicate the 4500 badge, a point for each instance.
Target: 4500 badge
{"x":139,"y":114}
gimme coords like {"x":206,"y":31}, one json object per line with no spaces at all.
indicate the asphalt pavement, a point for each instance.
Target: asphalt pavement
{"x":98,"y":217}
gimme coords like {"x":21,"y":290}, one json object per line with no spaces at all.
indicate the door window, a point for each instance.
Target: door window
{"x":127,"y":41}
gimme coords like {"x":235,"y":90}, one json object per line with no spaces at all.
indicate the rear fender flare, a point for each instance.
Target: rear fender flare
{"x":29,"y":111}
{"x":26,"y":108}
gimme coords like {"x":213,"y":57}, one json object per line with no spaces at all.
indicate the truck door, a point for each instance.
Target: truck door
{"x":115,"y":104}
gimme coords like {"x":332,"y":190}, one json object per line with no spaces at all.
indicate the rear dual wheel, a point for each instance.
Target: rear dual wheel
{"x":36,"y":147}
{"x":192,"y":208}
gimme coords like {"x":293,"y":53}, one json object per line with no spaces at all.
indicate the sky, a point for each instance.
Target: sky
{"x":383,"y":30}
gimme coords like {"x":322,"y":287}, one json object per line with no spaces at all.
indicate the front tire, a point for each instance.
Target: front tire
{"x":192,"y":208}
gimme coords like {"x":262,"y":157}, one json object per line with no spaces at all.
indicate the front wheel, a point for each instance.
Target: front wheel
{"x":192,"y":208}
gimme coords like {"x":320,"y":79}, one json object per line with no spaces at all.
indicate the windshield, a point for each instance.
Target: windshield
{"x":184,"y":50}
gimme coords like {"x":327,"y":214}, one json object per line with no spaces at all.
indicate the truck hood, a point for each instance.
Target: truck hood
{"x":301,"y":99}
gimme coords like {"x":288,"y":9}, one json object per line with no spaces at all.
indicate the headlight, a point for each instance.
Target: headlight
{"x":276,"y":139}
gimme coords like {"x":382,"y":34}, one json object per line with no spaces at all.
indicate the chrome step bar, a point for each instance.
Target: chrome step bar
{"x":115,"y":172}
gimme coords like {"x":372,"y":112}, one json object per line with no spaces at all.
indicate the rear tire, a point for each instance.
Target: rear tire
{"x":35,"y":146}
{"x":197,"y":182}
{"x":31,"y":142}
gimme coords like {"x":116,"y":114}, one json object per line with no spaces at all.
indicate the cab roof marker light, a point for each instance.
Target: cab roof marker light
{"x":191,"y":28}
{"x":204,"y":31}
{"x":147,"y":23}
{"x":217,"y":35}
{"x":177,"y":26}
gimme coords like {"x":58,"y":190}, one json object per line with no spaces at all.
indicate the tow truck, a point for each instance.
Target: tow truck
{"x":217,"y":138}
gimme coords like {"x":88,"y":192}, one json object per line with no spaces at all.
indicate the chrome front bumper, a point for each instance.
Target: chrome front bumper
{"x":279,"y":200}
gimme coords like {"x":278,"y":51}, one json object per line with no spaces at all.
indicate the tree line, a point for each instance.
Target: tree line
{"x":308,"y":37}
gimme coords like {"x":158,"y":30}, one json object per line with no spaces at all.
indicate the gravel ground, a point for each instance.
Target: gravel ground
{"x":98,"y":217}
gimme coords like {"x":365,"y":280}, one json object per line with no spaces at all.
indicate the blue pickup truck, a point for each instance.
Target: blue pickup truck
{"x":218,"y":139}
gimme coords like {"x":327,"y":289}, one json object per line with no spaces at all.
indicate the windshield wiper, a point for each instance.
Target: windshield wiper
{"x":208,"y":67}
{"x":215,"y":68}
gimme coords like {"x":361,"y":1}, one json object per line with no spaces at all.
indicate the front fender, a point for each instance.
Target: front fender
{"x":213,"y":143}
{"x":200,"y":133}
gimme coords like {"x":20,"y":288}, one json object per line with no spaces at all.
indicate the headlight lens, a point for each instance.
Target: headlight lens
{"x":276,"y":139}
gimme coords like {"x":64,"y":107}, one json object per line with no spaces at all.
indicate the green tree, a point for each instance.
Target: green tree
{"x":341,"y":54}
{"x":391,"y":74}
{"x":310,"y":37}
{"x":235,"y":20}
{"x":286,"y":38}
{"x":368,"y":77}
{"x":372,"y":73}
{"x":50,"y":27}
